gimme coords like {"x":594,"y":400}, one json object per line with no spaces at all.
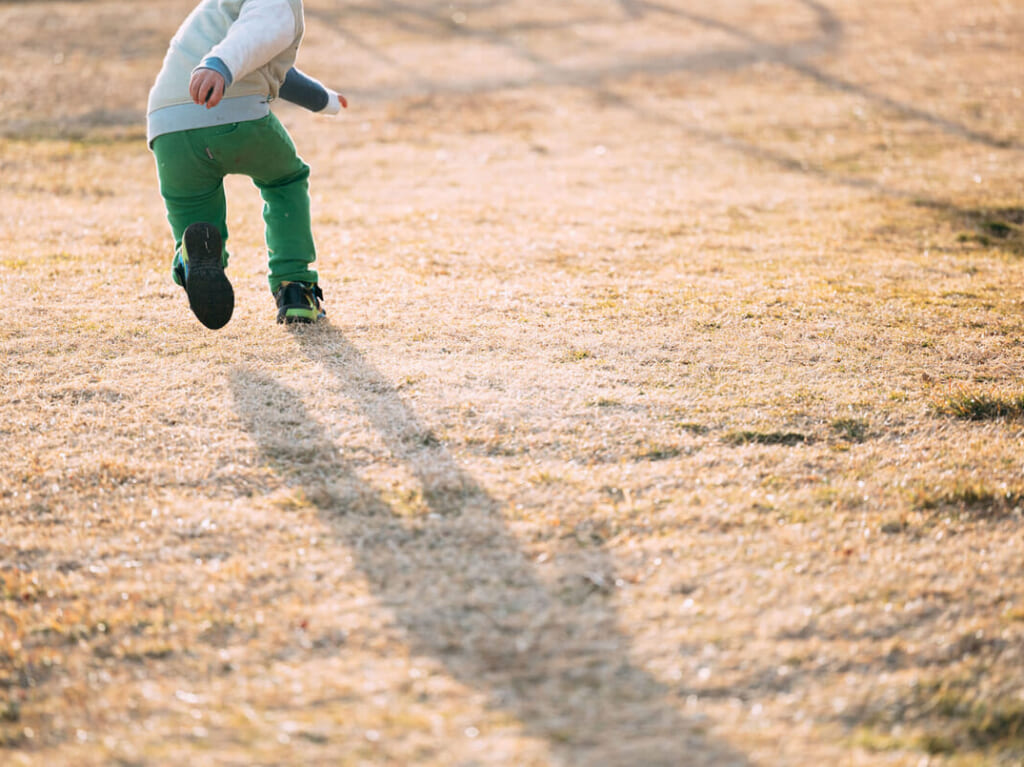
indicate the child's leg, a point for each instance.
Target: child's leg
{"x":191,"y":184}
{"x":289,"y":229}
{"x":263,"y":150}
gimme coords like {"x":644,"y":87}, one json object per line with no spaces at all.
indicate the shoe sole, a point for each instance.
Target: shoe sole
{"x":210,"y":295}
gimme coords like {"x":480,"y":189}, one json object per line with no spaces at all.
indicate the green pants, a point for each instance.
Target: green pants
{"x":192,"y":164}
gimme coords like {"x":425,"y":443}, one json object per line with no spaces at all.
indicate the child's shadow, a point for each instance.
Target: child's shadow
{"x":549,"y":652}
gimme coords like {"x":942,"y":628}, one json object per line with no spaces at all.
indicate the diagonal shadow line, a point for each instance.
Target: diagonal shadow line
{"x":828,"y":23}
{"x":790,"y":164}
{"x":388,"y":61}
{"x":416,"y":20}
{"x":754,"y":50}
{"x":550,"y":653}
{"x":502,"y":37}
{"x":631,"y":8}
{"x":555,"y":76}
{"x":795,"y":58}
{"x":549,"y":73}
{"x":909,"y":111}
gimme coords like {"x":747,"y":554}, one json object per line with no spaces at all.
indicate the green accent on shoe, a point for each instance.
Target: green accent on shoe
{"x":299,"y":302}
{"x":299,"y":315}
{"x":179,"y":272}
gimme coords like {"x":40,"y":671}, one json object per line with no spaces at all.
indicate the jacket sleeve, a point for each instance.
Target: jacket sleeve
{"x":299,"y":88}
{"x":263,"y":29}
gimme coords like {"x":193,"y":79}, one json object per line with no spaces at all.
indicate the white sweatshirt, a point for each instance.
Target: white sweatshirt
{"x":253,"y":43}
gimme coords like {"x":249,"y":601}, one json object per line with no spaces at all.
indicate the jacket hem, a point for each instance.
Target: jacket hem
{"x":189,"y":116}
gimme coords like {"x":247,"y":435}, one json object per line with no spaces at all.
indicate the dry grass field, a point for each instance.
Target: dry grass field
{"x":670,"y":410}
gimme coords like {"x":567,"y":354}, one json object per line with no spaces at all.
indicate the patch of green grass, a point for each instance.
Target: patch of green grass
{"x":953,"y":718}
{"x":980,"y":239}
{"x":787,"y":438}
{"x":936,"y":743}
{"x":876,"y":742}
{"x":545,"y":478}
{"x":967,"y":720}
{"x":995,"y":227}
{"x":851,"y":429}
{"x":697,"y":429}
{"x":576,"y":355}
{"x":657,"y":452}
{"x":894,"y":526}
{"x":976,"y":496}
{"x":998,"y":229}
{"x":978,"y":404}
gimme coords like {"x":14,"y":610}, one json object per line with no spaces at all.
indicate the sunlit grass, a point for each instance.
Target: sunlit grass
{"x":978,"y":404}
{"x":628,"y":437}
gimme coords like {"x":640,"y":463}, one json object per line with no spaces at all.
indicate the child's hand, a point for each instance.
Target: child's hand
{"x":206,"y":87}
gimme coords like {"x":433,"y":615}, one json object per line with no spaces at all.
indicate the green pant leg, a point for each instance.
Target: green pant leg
{"x":289,"y":229}
{"x":192,"y":186}
{"x":263,"y":150}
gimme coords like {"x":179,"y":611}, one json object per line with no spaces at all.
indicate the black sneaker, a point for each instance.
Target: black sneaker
{"x":209,"y":293}
{"x":299,"y":302}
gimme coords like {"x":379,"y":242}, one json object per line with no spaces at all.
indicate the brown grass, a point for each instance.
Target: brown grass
{"x":667,"y":412}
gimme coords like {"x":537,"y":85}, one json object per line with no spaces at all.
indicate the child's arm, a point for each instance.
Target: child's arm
{"x":262,"y":30}
{"x":301,"y":89}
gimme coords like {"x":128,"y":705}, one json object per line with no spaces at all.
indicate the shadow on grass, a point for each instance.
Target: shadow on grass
{"x":1001,"y":228}
{"x":549,"y":651}
{"x":544,"y":70}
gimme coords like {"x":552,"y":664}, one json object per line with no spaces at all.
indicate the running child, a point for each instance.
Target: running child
{"x":209,"y":116}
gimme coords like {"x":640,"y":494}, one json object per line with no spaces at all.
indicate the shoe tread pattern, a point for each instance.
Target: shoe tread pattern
{"x":210,"y":295}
